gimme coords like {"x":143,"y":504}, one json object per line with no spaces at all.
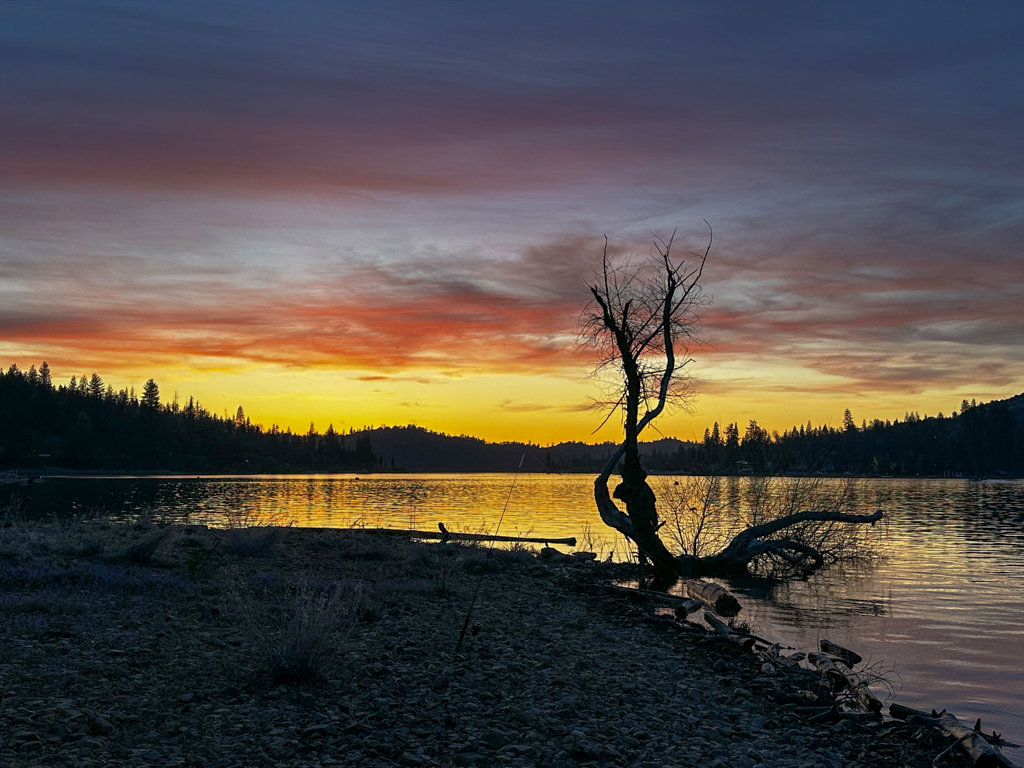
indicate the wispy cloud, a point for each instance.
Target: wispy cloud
{"x":397,"y":189}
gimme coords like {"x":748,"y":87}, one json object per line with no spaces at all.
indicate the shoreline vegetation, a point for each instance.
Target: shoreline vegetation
{"x":85,"y":425}
{"x":180,"y":645}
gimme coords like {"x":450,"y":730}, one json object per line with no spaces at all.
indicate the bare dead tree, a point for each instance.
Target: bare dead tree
{"x":639,"y":326}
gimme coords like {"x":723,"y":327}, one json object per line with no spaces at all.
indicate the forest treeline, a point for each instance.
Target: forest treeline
{"x":977,"y":440}
{"x":86,"y":424}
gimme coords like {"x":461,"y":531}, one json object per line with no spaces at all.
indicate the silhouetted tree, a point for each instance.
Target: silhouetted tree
{"x":639,"y":326}
{"x":849,"y":425}
{"x":150,"y":395}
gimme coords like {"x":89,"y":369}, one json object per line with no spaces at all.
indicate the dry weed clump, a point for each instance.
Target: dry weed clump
{"x":299,"y":631}
{"x":443,"y":563}
{"x":143,"y":550}
{"x":252,"y":535}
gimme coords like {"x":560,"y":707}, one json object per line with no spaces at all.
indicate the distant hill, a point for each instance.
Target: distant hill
{"x":415,"y":449}
{"x":1016,"y":405}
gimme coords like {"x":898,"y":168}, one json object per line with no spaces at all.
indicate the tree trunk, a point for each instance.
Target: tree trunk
{"x":641,"y":506}
{"x":753,"y":543}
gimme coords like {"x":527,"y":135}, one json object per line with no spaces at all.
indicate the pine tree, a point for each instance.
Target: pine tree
{"x":44,"y":376}
{"x":732,"y":436}
{"x":150,"y":395}
{"x":849,"y":425}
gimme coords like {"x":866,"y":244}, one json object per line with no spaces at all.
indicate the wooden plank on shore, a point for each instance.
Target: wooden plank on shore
{"x":568,"y":541}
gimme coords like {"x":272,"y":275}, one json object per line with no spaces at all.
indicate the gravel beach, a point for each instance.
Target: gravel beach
{"x":140,"y":645}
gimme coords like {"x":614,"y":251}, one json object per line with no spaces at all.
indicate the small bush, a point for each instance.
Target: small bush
{"x":252,"y":535}
{"x":300,"y":633}
{"x":142,"y":551}
{"x":253,"y":541}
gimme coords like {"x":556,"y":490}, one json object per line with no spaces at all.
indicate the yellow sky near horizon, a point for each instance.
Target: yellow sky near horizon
{"x":538,"y":408}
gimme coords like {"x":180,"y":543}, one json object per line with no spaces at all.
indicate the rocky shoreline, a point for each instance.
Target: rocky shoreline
{"x":141,"y":645}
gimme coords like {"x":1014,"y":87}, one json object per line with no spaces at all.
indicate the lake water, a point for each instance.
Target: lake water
{"x":945,"y":606}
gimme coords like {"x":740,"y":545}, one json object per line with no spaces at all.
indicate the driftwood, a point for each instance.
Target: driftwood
{"x":445,"y":535}
{"x":687,"y":603}
{"x":845,"y":655}
{"x":773,"y":655}
{"x":712,"y":594}
{"x":723,"y":629}
{"x":981,"y":749}
{"x":827,"y":665}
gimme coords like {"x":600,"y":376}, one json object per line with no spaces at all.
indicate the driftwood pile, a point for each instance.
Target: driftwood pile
{"x":981,"y":748}
{"x":831,"y":687}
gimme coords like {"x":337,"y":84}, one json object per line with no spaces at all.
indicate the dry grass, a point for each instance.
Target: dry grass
{"x":251,"y":535}
{"x":298,"y":632}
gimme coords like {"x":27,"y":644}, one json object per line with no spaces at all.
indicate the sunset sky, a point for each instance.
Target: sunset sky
{"x":386,"y":213}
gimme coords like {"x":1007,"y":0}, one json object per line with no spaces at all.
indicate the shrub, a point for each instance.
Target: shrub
{"x":142,"y":551}
{"x":253,"y":541}
{"x":298,"y":634}
{"x":250,"y":535}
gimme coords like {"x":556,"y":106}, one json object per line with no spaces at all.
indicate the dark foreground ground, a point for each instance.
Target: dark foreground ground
{"x":150,"y":646}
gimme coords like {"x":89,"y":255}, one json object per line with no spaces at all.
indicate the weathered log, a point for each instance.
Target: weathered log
{"x":970,"y":740}
{"x":690,"y":604}
{"x":900,"y":712}
{"x":712,"y":594}
{"x":724,"y":630}
{"x":569,"y":541}
{"x":845,"y":655}
{"x":826,"y":664}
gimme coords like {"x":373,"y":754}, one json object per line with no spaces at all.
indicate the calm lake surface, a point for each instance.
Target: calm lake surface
{"x":945,"y":605}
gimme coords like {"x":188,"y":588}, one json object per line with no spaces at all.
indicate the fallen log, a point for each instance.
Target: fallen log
{"x":970,"y":740}
{"x":826,"y":664}
{"x":845,"y":655}
{"x":569,"y":541}
{"x":689,"y":604}
{"x":725,"y":631}
{"x":712,"y":594}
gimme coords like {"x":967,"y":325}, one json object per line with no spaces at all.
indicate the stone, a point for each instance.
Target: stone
{"x":440,"y":683}
{"x":98,"y":725}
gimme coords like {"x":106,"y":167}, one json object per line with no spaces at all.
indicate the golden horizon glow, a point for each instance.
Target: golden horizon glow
{"x":539,"y":409}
